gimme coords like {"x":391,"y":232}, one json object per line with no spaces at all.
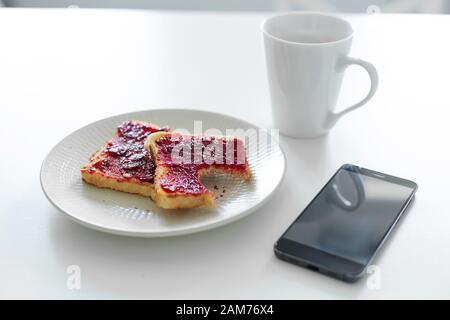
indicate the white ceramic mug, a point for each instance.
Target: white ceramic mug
{"x":306,"y":56}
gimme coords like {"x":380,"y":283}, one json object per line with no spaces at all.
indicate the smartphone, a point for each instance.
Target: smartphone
{"x":341,"y":230}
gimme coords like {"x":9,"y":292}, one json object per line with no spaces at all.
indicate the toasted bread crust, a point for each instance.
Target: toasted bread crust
{"x":145,"y":189}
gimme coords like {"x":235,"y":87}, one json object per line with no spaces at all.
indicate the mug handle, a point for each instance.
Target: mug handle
{"x":373,"y":74}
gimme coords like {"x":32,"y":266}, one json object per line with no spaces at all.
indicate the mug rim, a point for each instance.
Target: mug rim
{"x":306,"y":13}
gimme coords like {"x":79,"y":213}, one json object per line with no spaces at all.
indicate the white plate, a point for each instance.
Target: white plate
{"x":133,"y":215}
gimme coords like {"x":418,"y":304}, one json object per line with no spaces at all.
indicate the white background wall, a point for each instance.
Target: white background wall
{"x":418,"y":6}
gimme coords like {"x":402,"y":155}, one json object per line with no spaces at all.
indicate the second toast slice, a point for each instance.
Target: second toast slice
{"x":182,"y":159}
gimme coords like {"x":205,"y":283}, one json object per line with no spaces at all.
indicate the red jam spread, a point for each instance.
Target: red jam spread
{"x":124,"y":156}
{"x":182,"y":179}
{"x":185,"y":156}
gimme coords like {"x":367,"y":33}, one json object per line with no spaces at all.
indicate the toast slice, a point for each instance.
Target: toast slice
{"x":123,"y":163}
{"x":182,"y":159}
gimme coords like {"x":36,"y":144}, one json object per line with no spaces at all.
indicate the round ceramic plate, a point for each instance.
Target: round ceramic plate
{"x":132,"y":215}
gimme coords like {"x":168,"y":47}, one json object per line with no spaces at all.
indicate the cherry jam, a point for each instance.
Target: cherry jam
{"x":124,"y":156}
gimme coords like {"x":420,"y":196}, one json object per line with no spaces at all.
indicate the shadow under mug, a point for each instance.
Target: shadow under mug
{"x":306,"y":56}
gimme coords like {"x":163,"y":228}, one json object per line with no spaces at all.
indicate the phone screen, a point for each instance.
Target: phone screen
{"x":352,"y":214}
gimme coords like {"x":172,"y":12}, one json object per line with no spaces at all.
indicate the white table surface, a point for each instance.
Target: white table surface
{"x":62,"y":69}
